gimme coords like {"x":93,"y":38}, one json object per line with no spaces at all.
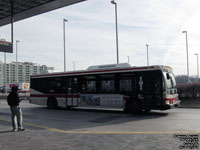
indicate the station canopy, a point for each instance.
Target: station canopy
{"x":23,"y":9}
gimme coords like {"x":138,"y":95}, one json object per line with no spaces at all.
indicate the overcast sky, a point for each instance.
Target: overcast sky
{"x":90,"y":34}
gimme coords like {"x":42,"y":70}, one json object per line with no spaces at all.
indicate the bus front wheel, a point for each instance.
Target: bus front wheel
{"x":133,"y":107}
{"x":136,"y":107}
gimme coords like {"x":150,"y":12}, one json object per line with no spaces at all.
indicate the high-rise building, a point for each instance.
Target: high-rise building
{"x":9,"y":71}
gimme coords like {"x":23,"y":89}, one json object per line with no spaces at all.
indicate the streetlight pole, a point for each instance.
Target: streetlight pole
{"x":17,"y":62}
{"x":147,"y":54}
{"x":64,"y":20}
{"x":116,"y":26}
{"x":128,"y":59}
{"x":187,"y":53}
{"x":73,"y":65}
{"x":5,"y":70}
{"x":197,"y":66}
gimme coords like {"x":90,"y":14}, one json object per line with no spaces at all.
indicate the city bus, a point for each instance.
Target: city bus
{"x":132,"y":89}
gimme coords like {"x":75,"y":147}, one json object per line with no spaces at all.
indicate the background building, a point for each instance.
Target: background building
{"x":25,"y":69}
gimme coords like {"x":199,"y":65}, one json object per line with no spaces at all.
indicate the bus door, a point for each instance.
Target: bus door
{"x":72,"y":94}
{"x":152,"y":88}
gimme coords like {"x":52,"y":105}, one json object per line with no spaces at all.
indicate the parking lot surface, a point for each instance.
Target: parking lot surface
{"x":85,"y":129}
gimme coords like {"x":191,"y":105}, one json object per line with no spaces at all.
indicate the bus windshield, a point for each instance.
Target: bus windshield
{"x":170,"y":80}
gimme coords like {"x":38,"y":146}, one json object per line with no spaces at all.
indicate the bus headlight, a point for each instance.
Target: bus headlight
{"x":167,"y":102}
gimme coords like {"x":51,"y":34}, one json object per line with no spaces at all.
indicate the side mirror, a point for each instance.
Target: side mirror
{"x":168,"y":76}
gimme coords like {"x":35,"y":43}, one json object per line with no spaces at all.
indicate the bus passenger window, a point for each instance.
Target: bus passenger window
{"x":107,"y":86}
{"x":125,"y":85}
{"x":54,"y":85}
{"x":91,"y":86}
{"x":88,"y":84}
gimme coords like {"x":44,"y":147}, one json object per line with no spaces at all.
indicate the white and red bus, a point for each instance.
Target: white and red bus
{"x":134,"y":89}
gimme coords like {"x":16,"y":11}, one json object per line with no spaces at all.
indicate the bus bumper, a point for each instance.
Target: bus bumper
{"x":165,"y":107}
{"x":170,"y":106}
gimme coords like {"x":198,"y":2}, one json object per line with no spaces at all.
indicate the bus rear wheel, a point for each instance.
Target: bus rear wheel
{"x":52,"y":103}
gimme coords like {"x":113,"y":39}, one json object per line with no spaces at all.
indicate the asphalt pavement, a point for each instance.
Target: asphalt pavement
{"x":85,"y":129}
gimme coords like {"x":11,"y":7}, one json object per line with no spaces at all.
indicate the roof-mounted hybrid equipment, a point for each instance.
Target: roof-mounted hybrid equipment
{"x":109,"y":66}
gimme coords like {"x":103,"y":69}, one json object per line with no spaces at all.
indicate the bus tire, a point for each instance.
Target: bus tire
{"x":52,"y":103}
{"x":136,"y":107}
{"x":68,"y":108}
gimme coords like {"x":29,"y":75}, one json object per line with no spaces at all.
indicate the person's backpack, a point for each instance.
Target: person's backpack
{"x":9,"y":99}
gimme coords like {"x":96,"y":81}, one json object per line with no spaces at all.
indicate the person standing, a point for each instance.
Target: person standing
{"x":13,"y":101}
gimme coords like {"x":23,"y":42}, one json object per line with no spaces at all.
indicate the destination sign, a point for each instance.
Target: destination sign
{"x":6,"y":47}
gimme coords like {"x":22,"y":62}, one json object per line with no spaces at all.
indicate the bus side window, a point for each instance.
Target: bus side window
{"x":40,"y":84}
{"x":107,"y":86}
{"x":125,"y":85}
{"x":55,"y":85}
{"x":88,"y":84}
{"x":91,"y":86}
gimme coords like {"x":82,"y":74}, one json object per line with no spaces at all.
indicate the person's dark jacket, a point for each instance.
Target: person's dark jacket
{"x":13,"y":98}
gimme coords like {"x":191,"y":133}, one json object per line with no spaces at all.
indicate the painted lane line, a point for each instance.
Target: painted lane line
{"x":107,"y":132}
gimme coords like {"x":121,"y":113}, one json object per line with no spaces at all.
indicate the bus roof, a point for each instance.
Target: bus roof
{"x":103,"y":69}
